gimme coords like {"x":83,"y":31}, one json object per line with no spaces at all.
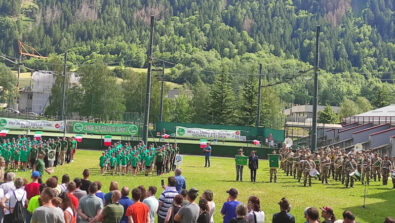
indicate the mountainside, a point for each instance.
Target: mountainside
{"x":356,"y":34}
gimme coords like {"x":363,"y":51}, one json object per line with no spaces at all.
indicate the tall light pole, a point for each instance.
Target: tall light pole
{"x":258,"y":115}
{"x":64,"y":94}
{"x":161,"y":93}
{"x":148,"y":95}
{"x":315,"y":99}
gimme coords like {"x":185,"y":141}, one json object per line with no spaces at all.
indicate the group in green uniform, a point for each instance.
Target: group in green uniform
{"x":125,"y":159}
{"x":24,"y":152}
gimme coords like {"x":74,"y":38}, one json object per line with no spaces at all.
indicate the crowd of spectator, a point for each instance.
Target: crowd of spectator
{"x":82,"y":201}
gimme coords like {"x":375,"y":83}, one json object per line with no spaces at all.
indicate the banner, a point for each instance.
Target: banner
{"x":102,"y":129}
{"x":241,"y":160}
{"x":273,"y":160}
{"x":11,"y":123}
{"x":183,"y":132}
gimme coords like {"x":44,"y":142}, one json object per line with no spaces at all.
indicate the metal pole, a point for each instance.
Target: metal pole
{"x":258,"y":115}
{"x":315,"y":100}
{"x":161,"y":93}
{"x":64,"y":93}
{"x":148,"y":95}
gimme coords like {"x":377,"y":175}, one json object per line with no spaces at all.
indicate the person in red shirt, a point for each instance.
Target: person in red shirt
{"x":32,"y":189}
{"x":71,"y":187}
{"x":138,"y":212}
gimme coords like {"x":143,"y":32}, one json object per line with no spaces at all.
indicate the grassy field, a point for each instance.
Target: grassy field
{"x":380,"y":200}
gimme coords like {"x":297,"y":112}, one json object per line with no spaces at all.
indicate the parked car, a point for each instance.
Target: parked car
{"x":32,"y":114}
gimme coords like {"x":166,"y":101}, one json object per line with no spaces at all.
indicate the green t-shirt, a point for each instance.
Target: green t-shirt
{"x":63,"y":145}
{"x":112,"y":213}
{"x":135,"y":160}
{"x":148,"y":160}
{"x":23,"y":155}
{"x":74,"y":144}
{"x":113,"y":160}
{"x":103,"y":161}
{"x":33,"y":204}
{"x":124,"y":160}
{"x":159,"y":157}
{"x":33,"y":153}
{"x":40,"y":166}
{"x":69,"y":146}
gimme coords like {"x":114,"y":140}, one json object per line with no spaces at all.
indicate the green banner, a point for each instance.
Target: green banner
{"x":273,"y":160}
{"x":241,"y":160}
{"x":104,"y":129}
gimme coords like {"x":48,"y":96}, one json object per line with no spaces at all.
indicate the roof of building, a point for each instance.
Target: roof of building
{"x":307,"y":108}
{"x":387,"y":111}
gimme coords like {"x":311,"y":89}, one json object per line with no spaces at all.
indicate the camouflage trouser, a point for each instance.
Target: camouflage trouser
{"x":376,"y":172}
{"x":273,"y":174}
{"x":299,"y":173}
{"x":289,"y":168}
{"x":338,"y":174}
{"x":386,"y":173}
{"x":349,"y":179}
{"x":365,"y":173}
{"x":332,"y":171}
{"x":306,"y":176}
{"x":344,"y":176}
{"x":294,"y":167}
{"x":324,"y":174}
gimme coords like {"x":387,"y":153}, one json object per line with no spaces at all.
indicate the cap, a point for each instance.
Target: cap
{"x":327,"y":209}
{"x":232,"y":192}
{"x":193,"y":190}
{"x":35,"y":174}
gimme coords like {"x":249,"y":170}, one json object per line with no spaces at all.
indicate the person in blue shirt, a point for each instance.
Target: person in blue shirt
{"x":180,"y":181}
{"x":207,"y":154}
{"x":125,"y":202}
{"x":228,"y":210}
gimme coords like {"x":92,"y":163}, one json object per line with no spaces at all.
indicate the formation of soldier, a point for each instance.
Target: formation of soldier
{"x":128,"y":159}
{"x":346,"y":168}
{"x":23,"y":152}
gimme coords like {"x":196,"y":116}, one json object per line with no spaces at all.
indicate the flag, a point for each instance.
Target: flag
{"x":107,"y":140}
{"x":78,"y":138}
{"x":256,"y":142}
{"x":37,"y":135}
{"x":4,"y":132}
{"x":203,"y":143}
{"x":165,"y":136}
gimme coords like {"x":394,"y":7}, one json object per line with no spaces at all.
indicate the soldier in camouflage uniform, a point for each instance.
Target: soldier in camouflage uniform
{"x":289,"y":162}
{"x":332,"y":169}
{"x":350,"y":166}
{"x":295,"y":162}
{"x":338,"y":168}
{"x":386,"y":166}
{"x":376,"y":165}
{"x":307,"y":166}
{"x":299,"y":167}
{"x":366,"y":164}
{"x":325,"y":165}
{"x":316,"y":160}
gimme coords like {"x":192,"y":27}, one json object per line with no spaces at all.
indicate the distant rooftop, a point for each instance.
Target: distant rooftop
{"x":388,"y":111}
{"x":307,"y":109}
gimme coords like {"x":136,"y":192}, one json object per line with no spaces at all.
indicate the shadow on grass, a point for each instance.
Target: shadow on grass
{"x":379,"y":210}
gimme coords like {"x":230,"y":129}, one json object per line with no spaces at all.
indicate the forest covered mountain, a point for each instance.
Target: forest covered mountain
{"x":205,"y":38}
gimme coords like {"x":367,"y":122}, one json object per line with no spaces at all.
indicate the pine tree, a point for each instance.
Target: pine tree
{"x":221,"y":105}
{"x":327,"y":116}
{"x":248,"y":106}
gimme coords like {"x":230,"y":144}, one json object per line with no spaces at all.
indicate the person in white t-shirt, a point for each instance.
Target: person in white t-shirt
{"x":255,"y":215}
{"x":9,"y":200}
{"x":209,"y":196}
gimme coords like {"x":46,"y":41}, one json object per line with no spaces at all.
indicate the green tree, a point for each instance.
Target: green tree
{"x":7,"y":84}
{"x":55,"y":100}
{"x":327,"y":116}
{"x":182,"y":109}
{"x":363,"y":104}
{"x":200,"y":104}
{"x":348,"y":108}
{"x":248,"y":103}
{"x":221,"y":102}
{"x":103,"y":96}
{"x":382,"y":97}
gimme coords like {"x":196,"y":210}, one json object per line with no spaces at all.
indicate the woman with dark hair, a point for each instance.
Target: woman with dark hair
{"x":173,"y":210}
{"x":70,"y":214}
{"x":204,"y":216}
{"x":255,"y":215}
{"x":328,"y":215}
{"x":209,"y":196}
{"x":143,"y":192}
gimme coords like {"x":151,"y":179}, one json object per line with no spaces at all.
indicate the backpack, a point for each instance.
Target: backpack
{"x":18,"y":213}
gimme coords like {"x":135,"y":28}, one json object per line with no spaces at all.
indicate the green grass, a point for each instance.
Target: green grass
{"x":220,"y":177}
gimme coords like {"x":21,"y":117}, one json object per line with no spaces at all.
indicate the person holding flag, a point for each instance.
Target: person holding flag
{"x":207,"y":153}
